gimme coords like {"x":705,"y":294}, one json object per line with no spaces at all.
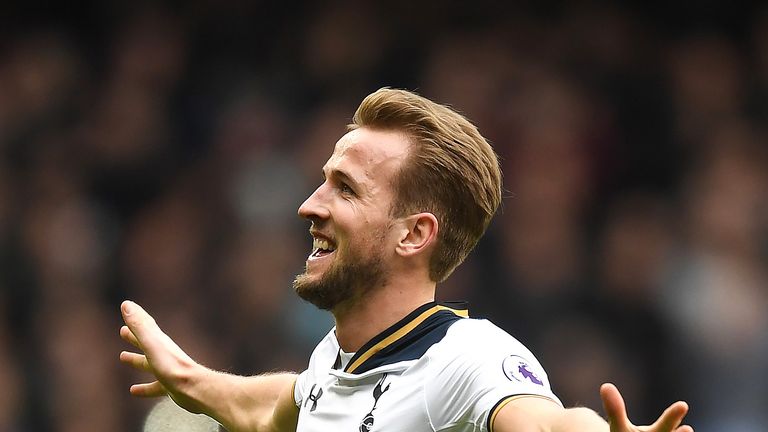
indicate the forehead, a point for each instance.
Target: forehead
{"x":368,"y":153}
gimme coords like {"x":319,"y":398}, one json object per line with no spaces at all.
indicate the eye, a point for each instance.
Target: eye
{"x":345,"y":189}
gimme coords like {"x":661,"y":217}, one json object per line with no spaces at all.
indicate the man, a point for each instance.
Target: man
{"x":407,"y":193}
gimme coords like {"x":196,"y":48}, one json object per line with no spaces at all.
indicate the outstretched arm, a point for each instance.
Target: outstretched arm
{"x":258,"y":403}
{"x":534,"y":414}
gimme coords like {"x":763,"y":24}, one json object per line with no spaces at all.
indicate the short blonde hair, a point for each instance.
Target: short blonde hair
{"x":451,"y":171}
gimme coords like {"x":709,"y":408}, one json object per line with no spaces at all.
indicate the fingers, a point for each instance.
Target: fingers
{"x":153,"y":389}
{"x":614,"y":407}
{"x":127,"y":335}
{"x":137,"y":319}
{"x":616,"y":410}
{"x":138,"y":331}
{"x":143,"y":331}
{"x":137,"y":361}
{"x":671,"y":418}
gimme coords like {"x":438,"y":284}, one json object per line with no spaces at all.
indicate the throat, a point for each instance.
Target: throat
{"x":358,"y":321}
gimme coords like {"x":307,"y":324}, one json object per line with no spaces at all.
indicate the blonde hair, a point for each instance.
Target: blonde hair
{"x":451,"y":171}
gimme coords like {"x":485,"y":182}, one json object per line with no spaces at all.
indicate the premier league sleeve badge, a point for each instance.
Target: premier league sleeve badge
{"x":518,"y":369}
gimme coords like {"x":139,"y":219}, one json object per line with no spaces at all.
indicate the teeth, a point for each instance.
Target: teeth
{"x":322,"y":244}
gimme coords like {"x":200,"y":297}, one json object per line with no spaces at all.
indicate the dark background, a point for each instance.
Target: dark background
{"x":159,"y":153}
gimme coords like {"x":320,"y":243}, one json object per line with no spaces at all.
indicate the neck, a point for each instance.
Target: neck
{"x":358,"y":323}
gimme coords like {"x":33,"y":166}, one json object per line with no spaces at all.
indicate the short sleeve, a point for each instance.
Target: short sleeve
{"x":324,"y":353}
{"x":299,"y":389}
{"x":479,"y":367}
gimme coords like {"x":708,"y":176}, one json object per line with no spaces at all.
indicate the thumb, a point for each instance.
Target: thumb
{"x":615,"y":408}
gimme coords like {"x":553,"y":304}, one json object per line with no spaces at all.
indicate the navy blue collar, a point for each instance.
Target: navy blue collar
{"x":409,"y":338}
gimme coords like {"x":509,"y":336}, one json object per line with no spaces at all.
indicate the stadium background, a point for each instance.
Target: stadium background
{"x":159,"y":153}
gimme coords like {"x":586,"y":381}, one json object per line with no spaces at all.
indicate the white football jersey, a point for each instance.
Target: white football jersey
{"x":435,"y":370}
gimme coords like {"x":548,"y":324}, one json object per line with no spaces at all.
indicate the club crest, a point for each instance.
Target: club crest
{"x":367,"y":423}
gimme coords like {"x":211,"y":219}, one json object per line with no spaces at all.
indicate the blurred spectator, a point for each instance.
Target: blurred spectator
{"x":715,"y":295}
{"x":13,"y":394}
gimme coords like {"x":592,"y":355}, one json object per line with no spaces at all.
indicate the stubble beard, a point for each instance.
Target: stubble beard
{"x":347,"y":279}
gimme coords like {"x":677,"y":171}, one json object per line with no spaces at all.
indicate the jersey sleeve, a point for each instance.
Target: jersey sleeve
{"x":475,"y":374}
{"x":299,"y":389}
{"x":324,"y":354}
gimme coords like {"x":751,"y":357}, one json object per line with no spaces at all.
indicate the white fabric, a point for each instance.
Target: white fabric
{"x":452,"y":387}
{"x":345,"y":358}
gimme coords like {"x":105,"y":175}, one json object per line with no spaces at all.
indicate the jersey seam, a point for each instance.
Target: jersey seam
{"x":424,"y":397}
{"x":297,"y":403}
{"x":453,"y":424}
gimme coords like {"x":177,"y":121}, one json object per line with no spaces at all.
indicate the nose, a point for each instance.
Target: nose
{"x":314,"y":208}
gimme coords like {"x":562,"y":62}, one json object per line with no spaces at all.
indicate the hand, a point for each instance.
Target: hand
{"x":173,"y":368}
{"x":669,"y":421}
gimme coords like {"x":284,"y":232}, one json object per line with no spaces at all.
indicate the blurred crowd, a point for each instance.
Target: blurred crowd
{"x":159,"y":153}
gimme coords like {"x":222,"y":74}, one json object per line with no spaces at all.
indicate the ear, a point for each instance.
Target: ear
{"x":418,"y":233}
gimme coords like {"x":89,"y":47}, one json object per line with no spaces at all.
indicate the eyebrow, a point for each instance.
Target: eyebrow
{"x":343,"y":176}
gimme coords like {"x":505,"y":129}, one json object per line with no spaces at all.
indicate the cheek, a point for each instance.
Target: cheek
{"x":382,"y":236}
{"x":367,"y":225}
{"x":360,"y":242}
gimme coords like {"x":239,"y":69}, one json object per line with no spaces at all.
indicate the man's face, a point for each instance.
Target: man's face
{"x":353,"y":244}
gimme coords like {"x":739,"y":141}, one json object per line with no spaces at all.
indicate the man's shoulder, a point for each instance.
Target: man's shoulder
{"x":473,"y":343}
{"x":477,"y":333}
{"x":480,"y":352}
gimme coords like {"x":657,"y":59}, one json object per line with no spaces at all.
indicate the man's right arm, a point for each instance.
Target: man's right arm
{"x":263,"y":403}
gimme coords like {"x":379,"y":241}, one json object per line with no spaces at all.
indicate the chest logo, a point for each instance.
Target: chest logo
{"x":313,"y":397}
{"x":367,"y":424}
{"x":517,"y":369}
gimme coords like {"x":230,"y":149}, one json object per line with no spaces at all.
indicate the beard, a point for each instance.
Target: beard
{"x":346,"y":279}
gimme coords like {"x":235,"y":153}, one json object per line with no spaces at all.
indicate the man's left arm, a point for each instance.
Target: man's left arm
{"x":537,"y":414}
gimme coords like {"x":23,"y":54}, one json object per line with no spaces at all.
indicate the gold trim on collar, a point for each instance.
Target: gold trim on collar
{"x":402,"y":332}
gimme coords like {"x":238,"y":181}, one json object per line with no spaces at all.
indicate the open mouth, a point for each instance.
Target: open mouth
{"x":321,"y":247}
